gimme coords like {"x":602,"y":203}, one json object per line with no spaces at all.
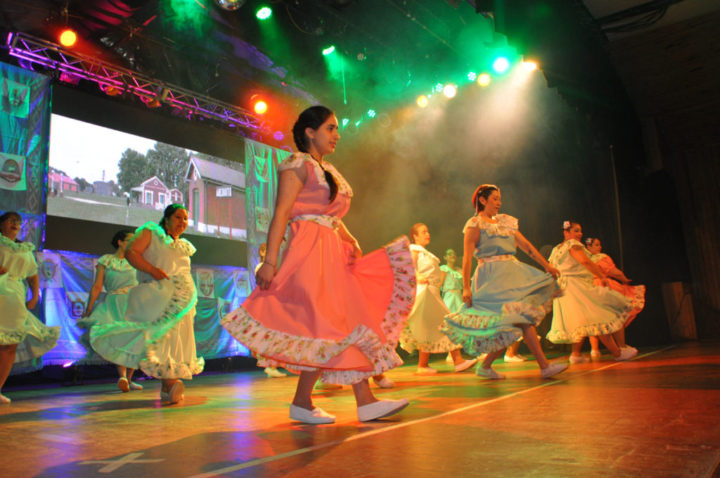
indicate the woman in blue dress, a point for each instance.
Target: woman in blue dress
{"x":117,"y":276}
{"x":506,"y":298}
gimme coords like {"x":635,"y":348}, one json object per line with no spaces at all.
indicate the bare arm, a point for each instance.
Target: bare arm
{"x":34,"y":283}
{"x":95,"y":290}
{"x":577,"y":253}
{"x":349,"y":238}
{"x":472,"y":236}
{"x":527,"y":247}
{"x":134,"y":256}
{"x":616,"y":273}
{"x":289,"y":186}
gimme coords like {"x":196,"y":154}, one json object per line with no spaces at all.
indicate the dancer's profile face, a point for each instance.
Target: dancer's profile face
{"x":122,"y":245}
{"x":575,"y":232}
{"x":324,"y":139}
{"x":422,"y":236}
{"x":177,"y":223}
{"x":492,"y":203}
{"x":595,"y":247}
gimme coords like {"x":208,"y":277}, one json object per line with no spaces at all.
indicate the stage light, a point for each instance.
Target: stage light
{"x":260,"y":107}
{"x":483,"y":79}
{"x":472,"y":76}
{"x":371,"y":113}
{"x":501,"y":64}
{"x":529,"y":65}
{"x":450,"y":91}
{"x":263,"y":13}
{"x":422,"y":101}
{"x":68,"y":37}
{"x":230,"y":5}
{"x":345,"y":122}
{"x":438,"y":87}
{"x":278,"y":135}
{"x":328,"y":50}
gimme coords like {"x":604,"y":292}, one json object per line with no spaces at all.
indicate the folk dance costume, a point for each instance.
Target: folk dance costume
{"x":322,"y":311}
{"x":505,"y":291}
{"x":584,"y":309}
{"x":452,"y":288}
{"x":119,"y":277}
{"x":157,"y":334}
{"x":636,"y":293}
{"x":17,"y":324}
{"x":422,"y":331}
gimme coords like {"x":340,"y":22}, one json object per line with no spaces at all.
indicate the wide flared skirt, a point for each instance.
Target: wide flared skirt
{"x":453,"y":300}
{"x":157,"y":332}
{"x":422,"y":331}
{"x":636,"y":294}
{"x":111,"y":309}
{"x":324,"y":312}
{"x":587,"y":310}
{"x":504,"y":295}
{"x":18,"y":326}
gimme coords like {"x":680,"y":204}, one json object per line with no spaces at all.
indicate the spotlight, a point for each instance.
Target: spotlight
{"x":472,"y":76}
{"x":422,"y":101}
{"x":483,"y":80}
{"x":260,"y":107}
{"x":230,"y":5}
{"x":345,"y":122}
{"x":263,"y":13}
{"x":438,"y":88}
{"x":450,"y":91}
{"x":371,"y":113}
{"x":529,"y":65}
{"x":328,"y":50}
{"x":278,"y":135}
{"x":68,"y":37}
{"x":501,"y":64}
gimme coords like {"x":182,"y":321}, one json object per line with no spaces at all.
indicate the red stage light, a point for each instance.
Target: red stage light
{"x":68,"y":37}
{"x":260,"y":107}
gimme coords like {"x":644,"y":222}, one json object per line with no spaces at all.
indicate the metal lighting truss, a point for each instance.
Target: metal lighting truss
{"x":108,"y":76}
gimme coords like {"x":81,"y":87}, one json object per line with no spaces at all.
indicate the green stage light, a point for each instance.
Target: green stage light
{"x":328,"y":50}
{"x":345,"y":122}
{"x":371,"y":113}
{"x":263,"y":13}
{"x":472,"y":76}
{"x":501,"y":64}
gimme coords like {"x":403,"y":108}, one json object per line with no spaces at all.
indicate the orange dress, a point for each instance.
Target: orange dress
{"x":634,"y":292}
{"x":322,"y":311}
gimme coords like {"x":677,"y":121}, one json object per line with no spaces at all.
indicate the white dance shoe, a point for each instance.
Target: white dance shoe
{"x":626,"y":353}
{"x":384,"y":382}
{"x":175,"y":394}
{"x":316,"y":416}
{"x":272,"y":372}
{"x":462,"y":366}
{"x":553,"y":369}
{"x":576,"y":359}
{"x":488,"y":373}
{"x":380,"y":409}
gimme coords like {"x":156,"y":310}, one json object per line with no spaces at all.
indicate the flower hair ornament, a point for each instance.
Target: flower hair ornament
{"x":589,"y":241}
{"x":566,"y":225}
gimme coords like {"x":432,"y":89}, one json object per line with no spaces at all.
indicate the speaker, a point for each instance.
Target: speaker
{"x":679,"y":310}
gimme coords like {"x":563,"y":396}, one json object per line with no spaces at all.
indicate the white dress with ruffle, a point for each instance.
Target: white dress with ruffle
{"x":505,"y":291}
{"x":584,"y":309}
{"x":157,"y":334}
{"x":17,"y":324}
{"x":119,"y":277}
{"x":422,"y":330}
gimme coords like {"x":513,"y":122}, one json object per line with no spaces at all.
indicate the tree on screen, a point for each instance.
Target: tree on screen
{"x":133,"y":168}
{"x":169,"y":163}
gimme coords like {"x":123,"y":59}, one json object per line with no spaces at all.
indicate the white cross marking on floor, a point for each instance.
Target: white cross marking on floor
{"x":122,"y":461}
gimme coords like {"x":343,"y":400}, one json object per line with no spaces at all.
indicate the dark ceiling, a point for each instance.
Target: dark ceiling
{"x":393,"y":49}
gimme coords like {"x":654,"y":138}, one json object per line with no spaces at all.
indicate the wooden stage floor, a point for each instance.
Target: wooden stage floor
{"x":655,"y":416}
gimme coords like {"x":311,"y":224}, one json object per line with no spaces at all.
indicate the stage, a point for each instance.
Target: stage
{"x":655,"y":416}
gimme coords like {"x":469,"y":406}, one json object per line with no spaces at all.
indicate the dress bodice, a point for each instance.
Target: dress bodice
{"x":314,"y":197}
{"x":17,"y":258}
{"x":561,"y":258}
{"x":119,"y":274}
{"x":428,"y":265}
{"x":172,"y":256}
{"x":603,"y":261}
{"x":495,"y":238}
{"x":453,"y":279}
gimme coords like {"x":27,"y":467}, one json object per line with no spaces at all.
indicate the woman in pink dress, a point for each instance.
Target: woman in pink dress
{"x":327,"y":310}
{"x":618,"y":282}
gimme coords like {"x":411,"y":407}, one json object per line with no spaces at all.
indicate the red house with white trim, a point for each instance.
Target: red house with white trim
{"x":153,"y":193}
{"x":216,"y":202}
